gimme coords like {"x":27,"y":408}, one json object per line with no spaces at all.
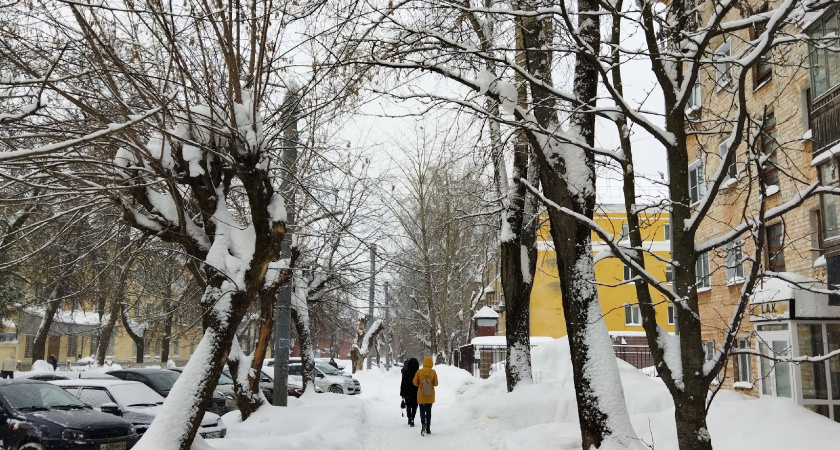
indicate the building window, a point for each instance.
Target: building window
{"x":671,"y":314}
{"x":27,"y":346}
{"x":702,"y":271}
{"x":627,"y":273}
{"x":694,"y":99}
{"x":667,"y":230}
{"x":775,"y":247}
{"x":696,"y":181}
{"x":723,"y":68}
{"x":743,"y":372}
{"x":817,"y":248}
{"x":149,"y":311}
{"x":158,"y":347}
{"x":769,"y":144}
{"x":709,"y":350}
{"x":625,"y":231}
{"x":632,"y":316}
{"x":176,"y":349}
{"x":830,"y":202}
{"x":732,"y":169}
{"x":763,"y":70}
{"x":137,"y":311}
{"x":734,"y":261}
{"x":8,"y":338}
{"x":72,"y":345}
{"x":824,"y":62}
{"x":669,"y":274}
{"x":94,"y":345}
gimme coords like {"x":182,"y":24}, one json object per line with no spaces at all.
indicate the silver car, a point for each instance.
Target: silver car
{"x":327,"y":379}
{"x":134,"y":401}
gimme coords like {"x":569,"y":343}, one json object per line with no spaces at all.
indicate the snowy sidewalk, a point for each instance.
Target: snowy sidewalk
{"x":480,"y":414}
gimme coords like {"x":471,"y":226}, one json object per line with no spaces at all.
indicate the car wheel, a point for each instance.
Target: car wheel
{"x":31,"y":446}
{"x":336,"y":389}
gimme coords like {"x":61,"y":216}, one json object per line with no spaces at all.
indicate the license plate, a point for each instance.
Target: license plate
{"x":112,"y":446}
{"x":212,"y":435}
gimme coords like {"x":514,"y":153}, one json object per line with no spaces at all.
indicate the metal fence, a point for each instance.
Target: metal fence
{"x":481,"y":361}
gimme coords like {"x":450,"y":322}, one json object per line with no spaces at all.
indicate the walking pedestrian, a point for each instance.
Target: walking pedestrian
{"x":426,"y":379}
{"x":8,"y":368}
{"x":407,"y":390}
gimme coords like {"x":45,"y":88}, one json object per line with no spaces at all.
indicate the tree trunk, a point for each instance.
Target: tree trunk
{"x":300,"y":317}
{"x":361,"y":349}
{"x":107,"y":331}
{"x":138,"y":339}
{"x":167,"y":330}
{"x":39,"y":346}
{"x":587,"y":333}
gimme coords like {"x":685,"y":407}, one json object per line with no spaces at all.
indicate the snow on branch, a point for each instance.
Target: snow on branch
{"x":51,"y":148}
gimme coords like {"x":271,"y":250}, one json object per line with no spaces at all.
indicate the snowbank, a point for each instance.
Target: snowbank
{"x":474,"y":413}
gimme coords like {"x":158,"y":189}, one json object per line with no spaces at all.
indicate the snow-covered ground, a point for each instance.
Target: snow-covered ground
{"x":480,"y":414}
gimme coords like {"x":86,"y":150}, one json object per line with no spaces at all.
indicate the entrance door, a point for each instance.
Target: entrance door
{"x":53,"y":346}
{"x":775,"y":375}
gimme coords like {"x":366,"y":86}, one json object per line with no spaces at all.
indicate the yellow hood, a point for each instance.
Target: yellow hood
{"x":428,"y":363}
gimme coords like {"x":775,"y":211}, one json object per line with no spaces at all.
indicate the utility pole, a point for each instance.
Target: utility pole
{"x":371,"y":295}
{"x":283,"y":298}
{"x":387,"y":333}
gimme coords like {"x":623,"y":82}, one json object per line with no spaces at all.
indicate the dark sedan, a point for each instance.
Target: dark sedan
{"x":40,"y":416}
{"x":161,"y":381}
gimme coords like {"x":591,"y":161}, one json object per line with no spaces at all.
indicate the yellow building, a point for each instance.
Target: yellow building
{"x":616,"y":290}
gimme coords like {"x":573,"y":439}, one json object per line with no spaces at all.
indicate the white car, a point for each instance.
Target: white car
{"x":134,"y":401}
{"x":327,"y":379}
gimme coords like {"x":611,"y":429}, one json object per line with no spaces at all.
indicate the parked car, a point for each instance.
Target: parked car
{"x":133,"y":401}
{"x":161,"y":381}
{"x":267,"y":385}
{"x":327,"y":379}
{"x":35,"y":415}
{"x":224,"y":392}
{"x":52,"y":376}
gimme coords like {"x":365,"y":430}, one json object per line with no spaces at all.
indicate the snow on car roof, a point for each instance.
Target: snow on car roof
{"x":98,"y":382}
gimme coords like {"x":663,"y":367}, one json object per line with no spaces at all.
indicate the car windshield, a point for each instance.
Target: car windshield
{"x":135,"y":394}
{"x":163,"y":380}
{"x":224,"y":379}
{"x":328,"y":369}
{"x":37,"y":396}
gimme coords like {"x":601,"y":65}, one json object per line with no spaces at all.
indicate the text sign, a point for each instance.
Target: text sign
{"x":770,"y":311}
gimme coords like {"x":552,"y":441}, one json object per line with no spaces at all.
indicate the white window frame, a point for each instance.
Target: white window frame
{"x":734,"y":261}
{"x":700,"y":177}
{"x":631,"y":312}
{"x":709,"y":350}
{"x":667,"y":231}
{"x":626,"y":273}
{"x":694,"y":98}
{"x":744,"y":362}
{"x":625,"y":231}
{"x":672,"y":310}
{"x":723,"y":70}
{"x":703,"y":272}
{"x":669,"y":274}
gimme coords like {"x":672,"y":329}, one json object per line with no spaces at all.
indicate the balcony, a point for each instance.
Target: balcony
{"x":825,"y":121}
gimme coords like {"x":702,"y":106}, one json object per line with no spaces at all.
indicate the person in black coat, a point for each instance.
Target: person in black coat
{"x":408,"y":391}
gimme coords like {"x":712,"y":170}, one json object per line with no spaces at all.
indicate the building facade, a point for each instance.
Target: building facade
{"x":794,"y":109}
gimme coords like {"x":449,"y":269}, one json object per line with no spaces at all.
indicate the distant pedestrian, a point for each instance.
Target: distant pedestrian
{"x":407,"y":390}
{"x":9,"y":365}
{"x":333,"y":363}
{"x":53,"y":361}
{"x":426,"y":379}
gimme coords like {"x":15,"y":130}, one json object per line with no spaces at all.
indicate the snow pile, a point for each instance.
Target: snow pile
{"x":474,"y":413}
{"x":42,"y":366}
{"x":324,"y":421}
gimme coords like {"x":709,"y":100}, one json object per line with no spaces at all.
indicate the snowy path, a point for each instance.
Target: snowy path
{"x":386,"y":429}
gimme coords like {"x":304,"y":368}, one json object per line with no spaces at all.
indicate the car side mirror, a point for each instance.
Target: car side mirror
{"x":319,"y":375}
{"x":111,"y":408}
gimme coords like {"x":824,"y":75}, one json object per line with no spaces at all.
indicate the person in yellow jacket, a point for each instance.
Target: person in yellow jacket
{"x":426,"y":379}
